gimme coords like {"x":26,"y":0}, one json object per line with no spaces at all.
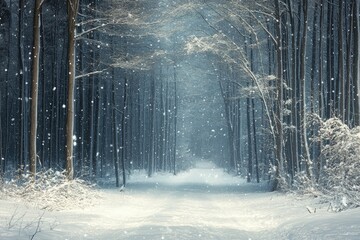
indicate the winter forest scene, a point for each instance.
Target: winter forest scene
{"x":179,"y":119}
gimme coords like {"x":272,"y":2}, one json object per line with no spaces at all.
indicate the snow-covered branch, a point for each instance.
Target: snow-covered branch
{"x":88,"y":74}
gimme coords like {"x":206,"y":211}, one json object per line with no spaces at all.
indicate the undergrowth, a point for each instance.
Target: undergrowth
{"x":51,"y":190}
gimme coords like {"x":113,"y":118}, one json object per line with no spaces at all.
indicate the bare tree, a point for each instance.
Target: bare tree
{"x":4,"y":41}
{"x":305,"y":144}
{"x":72,"y":10}
{"x":35,"y":86}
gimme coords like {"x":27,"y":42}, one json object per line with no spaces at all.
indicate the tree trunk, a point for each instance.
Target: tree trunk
{"x":250,"y":152}
{"x":294,"y":136}
{"x":255,"y":141}
{"x":230,"y":126}
{"x":313,"y":78}
{"x":4,"y":64}
{"x":341,"y":79}
{"x":330,"y":61}
{"x":72,"y":9}
{"x":151,"y":160}
{"x":356,"y":70}
{"x":123,"y":132}
{"x":35,"y":86}
{"x":21,"y":140}
{"x":279,"y":100}
{"x":320,"y":64}
{"x":114,"y":134}
{"x":175,"y":119}
{"x":305,"y":146}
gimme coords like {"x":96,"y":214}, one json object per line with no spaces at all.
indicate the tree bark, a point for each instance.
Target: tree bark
{"x":4,"y":62}
{"x":255,"y":142}
{"x":123,"y":132}
{"x":279,"y":99}
{"x":115,"y":132}
{"x":21,"y":157}
{"x":72,"y":9}
{"x":357,"y":61}
{"x":250,"y":151}
{"x":305,"y":146}
{"x":175,"y":119}
{"x":341,"y":79}
{"x":35,"y":86}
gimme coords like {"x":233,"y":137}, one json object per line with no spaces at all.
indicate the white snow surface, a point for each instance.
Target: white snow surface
{"x":202,"y":203}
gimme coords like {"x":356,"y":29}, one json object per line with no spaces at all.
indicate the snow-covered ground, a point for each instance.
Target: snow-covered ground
{"x":202,"y":203}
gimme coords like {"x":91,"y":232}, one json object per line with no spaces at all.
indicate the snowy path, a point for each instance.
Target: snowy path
{"x":203,"y":203}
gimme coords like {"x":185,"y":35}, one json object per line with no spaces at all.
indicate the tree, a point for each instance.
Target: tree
{"x":4,"y":41}
{"x":22,"y":94}
{"x":72,"y":10}
{"x":279,"y":104}
{"x":35,"y":86}
{"x":356,"y":61}
{"x":305,"y":145}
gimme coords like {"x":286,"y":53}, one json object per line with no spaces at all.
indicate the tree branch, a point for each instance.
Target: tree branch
{"x":88,"y":74}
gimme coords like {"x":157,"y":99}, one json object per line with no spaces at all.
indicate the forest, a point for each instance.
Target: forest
{"x":98,"y":89}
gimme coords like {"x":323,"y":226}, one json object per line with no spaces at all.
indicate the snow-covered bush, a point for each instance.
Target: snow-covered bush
{"x":303,"y":184}
{"x":340,"y":176}
{"x":282,"y":183}
{"x":51,"y":190}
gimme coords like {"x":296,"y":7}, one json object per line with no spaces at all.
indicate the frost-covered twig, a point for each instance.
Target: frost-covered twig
{"x":37,"y":226}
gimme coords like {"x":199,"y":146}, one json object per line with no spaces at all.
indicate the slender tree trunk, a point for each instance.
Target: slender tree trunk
{"x":35,"y":86}
{"x":4,"y":61}
{"x":341,"y":79}
{"x":7,"y":60}
{"x":253,"y":68}
{"x":320,"y":64}
{"x":306,"y":151}
{"x":279,"y":100}
{"x":162,"y":123}
{"x":238,"y":145}
{"x":21,"y":159}
{"x":230,"y":126}
{"x":46,"y":115}
{"x":250,"y":152}
{"x":322,"y":94}
{"x":255,"y":141}
{"x":313,"y":78}
{"x":356,"y":61}
{"x":349,"y":92}
{"x":330,"y":61}
{"x":294,"y":105}
{"x":151,"y":160}
{"x":114,"y":134}
{"x":93,"y":128}
{"x":123,"y":131}
{"x":175,"y":120}
{"x":72,"y":9}
{"x":166,"y":126}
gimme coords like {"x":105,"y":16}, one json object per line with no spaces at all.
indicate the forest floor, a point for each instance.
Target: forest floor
{"x":202,"y":203}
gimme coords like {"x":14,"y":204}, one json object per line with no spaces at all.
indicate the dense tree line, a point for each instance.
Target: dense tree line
{"x":302,"y":57}
{"x":281,"y":68}
{"x":66,"y":104}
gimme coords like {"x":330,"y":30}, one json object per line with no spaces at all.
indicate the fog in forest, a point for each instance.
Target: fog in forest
{"x":174,"y":118}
